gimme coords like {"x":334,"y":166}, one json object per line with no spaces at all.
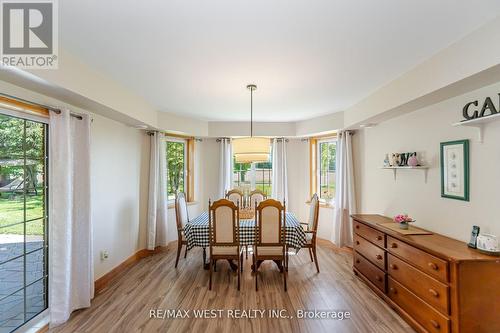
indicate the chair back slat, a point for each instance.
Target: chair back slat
{"x":256,"y":197}
{"x":270,"y":223}
{"x":236,"y":196}
{"x":223,"y":223}
{"x":313,"y":213}
{"x":181,"y":211}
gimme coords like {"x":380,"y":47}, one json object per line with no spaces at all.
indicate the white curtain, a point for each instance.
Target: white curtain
{"x":225,"y":166}
{"x":157,"y":196}
{"x":71,"y":275}
{"x":279,"y":182}
{"x":345,"y":198}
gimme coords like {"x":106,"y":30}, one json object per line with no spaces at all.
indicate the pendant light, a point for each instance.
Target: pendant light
{"x":251,"y":149}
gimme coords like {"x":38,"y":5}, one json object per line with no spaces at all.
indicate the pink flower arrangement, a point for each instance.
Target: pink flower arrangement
{"x":403,"y":218}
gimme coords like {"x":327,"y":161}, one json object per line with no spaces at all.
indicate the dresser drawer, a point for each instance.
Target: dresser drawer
{"x":370,"y":271}
{"x":372,"y":252}
{"x":429,"y":289}
{"x":424,"y":314}
{"x":426,"y":262}
{"x":374,"y":236}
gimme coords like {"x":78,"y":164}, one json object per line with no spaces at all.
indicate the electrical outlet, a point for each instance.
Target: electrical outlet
{"x":104,"y":255}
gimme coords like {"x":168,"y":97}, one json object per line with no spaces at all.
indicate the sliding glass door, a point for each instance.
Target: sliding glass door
{"x":23,"y":220}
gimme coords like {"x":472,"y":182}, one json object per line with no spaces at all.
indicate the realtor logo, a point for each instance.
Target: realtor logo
{"x":29,"y":34}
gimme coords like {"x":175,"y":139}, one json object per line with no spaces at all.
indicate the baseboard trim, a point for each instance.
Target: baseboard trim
{"x":104,"y":281}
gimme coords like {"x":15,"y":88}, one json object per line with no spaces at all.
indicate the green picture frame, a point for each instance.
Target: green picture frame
{"x":455,"y":181}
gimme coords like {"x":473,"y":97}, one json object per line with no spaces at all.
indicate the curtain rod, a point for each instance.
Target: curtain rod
{"x":56,"y":110}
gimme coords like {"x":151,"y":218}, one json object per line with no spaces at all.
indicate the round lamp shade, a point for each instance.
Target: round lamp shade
{"x":248,"y":150}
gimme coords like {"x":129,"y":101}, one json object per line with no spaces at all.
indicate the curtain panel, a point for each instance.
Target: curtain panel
{"x":157,"y":193}
{"x":279,"y":182}
{"x":345,"y":198}
{"x":71,"y":275}
{"x":225,"y":166}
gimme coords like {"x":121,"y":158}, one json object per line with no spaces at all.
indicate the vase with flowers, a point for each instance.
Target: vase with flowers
{"x":403,"y":220}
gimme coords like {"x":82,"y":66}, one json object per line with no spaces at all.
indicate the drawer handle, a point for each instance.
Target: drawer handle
{"x":357,"y":242}
{"x":435,"y":323}
{"x":393,"y":266}
{"x":379,"y":257}
{"x":357,"y":226}
{"x":379,"y":237}
{"x":357,"y":261}
{"x":394,"y":291}
{"x":378,"y":278}
{"x":434,"y":293}
{"x":394,"y":245}
{"x":433,"y":266}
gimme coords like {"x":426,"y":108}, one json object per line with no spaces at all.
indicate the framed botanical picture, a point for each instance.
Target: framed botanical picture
{"x":455,"y":170}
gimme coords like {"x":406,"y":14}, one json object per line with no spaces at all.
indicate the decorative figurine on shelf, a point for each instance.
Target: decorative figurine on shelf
{"x":403,"y":220}
{"x":412,"y":160}
{"x":386,"y":161}
{"x":396,"y":159}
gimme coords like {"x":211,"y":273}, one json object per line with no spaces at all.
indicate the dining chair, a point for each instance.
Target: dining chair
{"x":181,"y":218}
{"x":270,"y":236}
{"x":256,"y":197}
{"x":236,"y":196}
{"x":224,"y":235}
{"x":312,"y":228}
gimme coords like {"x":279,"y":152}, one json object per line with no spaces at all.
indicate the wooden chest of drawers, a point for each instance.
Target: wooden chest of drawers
{"x":435,"y":283}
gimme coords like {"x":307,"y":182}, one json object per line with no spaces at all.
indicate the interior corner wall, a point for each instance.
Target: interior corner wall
{"x":422,"y":131}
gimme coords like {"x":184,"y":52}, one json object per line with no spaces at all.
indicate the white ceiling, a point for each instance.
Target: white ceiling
{"x":308,"y":58}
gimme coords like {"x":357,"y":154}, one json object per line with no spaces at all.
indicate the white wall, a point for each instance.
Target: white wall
{"x":422,"y":131}
{"x":119,"y":181}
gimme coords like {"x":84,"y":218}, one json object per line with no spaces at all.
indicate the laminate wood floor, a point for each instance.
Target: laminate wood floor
{"x":153,"y":283}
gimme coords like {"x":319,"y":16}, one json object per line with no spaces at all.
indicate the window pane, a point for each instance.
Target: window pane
{"x":327,"y":169}
{"x":35,"y":298}
{"x":11,"y":137}
{"x":176,"y":165}
{"x":11,"y":275}
{"x":22,"y":221}
{"x":250,"y":176}
{"x":12,"y":312}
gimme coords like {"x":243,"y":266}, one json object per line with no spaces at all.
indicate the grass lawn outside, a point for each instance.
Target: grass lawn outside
{"x":12,"y":211}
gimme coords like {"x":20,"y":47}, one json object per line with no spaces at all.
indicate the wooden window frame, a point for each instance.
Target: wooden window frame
{"x":188,"y":167}
{"x":314,"y":167}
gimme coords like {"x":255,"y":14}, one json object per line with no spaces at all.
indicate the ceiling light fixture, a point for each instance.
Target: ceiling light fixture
{"x":251,"y":149}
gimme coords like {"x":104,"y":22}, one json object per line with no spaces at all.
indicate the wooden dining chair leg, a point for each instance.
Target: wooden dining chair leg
{"x":255,"y":273}
{"x":239,"y":270}
{"x":246,"y":251}
{"x":179,"y":249}
{"x":316,"y":259}
{"x":284,"y":277}
{"x":210,"y":279}
{"x":241,"y":262}
{"x":185,"y":251}
{"x":310,"y":254}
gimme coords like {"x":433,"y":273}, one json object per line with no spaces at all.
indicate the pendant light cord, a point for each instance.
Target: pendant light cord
{"x":251,"y":113}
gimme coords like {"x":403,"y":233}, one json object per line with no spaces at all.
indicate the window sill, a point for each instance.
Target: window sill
{"x":190,"y":203}
{"x":323,"y":204}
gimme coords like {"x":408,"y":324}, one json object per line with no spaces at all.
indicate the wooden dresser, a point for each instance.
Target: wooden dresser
{"x":437,"y":284}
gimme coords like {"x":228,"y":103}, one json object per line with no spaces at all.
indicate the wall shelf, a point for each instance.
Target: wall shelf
{"x":396,"y":168}
{"x":479,"y":123}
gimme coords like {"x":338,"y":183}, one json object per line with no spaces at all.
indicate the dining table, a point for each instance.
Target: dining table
{"x":196,"y":232}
